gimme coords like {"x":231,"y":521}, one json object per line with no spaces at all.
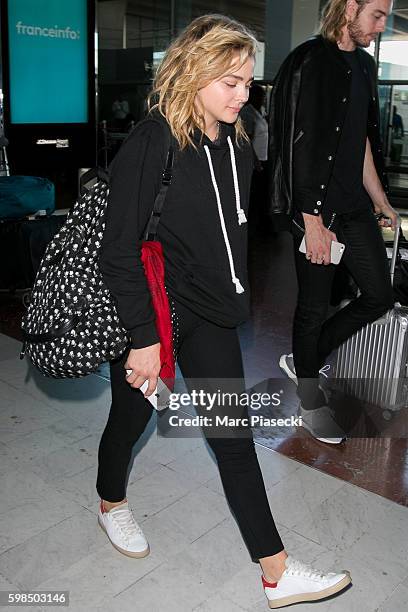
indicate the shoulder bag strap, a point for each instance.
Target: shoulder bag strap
{"x":153,"y":222}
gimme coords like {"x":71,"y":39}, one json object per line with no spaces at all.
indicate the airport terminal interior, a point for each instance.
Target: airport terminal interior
{"x":335,"y":505}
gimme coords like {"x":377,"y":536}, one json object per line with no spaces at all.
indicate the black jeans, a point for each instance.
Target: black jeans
{"x":314,"y":335}
{"x":205,"y":351}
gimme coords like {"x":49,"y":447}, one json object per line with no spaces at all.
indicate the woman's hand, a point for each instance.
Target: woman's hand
{"x":145,"y":365}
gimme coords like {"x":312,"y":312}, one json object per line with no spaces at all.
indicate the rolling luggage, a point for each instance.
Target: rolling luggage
{"x":372,"y":365}
{"x":401,"y":283}
{"x":401,"y":269}
{"x":21,"y":196}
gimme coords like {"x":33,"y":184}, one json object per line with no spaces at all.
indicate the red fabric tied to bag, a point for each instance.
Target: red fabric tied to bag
{"x":153,"y":261}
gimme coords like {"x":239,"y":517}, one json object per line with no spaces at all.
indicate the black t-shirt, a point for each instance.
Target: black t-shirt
{"x":346,"y":191}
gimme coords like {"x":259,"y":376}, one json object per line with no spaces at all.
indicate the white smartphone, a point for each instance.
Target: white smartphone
{"x":336,"y":251}
{"x":160,"y":396}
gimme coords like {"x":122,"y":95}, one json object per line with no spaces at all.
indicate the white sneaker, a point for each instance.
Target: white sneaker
{"x":300,"y":582}
{"x":322,"y":425}
{"x":123,"y":531}
{"x":287,"y":366}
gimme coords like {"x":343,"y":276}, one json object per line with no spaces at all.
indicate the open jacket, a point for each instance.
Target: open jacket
{"x":308,"y":108}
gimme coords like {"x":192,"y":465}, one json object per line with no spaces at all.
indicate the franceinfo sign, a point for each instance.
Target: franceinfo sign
{"x":48,"y":61}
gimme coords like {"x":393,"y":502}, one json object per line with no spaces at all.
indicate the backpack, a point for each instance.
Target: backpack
{"x":71,"y":325}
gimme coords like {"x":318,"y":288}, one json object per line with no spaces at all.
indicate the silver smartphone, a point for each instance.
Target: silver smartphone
{"x":160,"y":396}
{"x":336,"y":251}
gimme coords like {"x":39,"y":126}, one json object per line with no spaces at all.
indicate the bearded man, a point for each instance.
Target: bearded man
{"x":327,"y":180}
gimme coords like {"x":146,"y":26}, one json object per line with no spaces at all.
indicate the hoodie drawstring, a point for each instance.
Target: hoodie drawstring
{"x":240,"y":211}
{"x":238,"y":286}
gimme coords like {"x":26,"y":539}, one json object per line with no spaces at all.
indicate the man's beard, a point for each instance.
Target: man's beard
{"x":357,"y":35}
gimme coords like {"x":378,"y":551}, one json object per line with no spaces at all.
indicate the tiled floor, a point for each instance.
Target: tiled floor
{"x":49,"y":537}
{"x":333,"y":505}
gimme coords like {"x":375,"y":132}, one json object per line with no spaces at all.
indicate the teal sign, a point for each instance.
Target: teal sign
{"x":48,"y":61}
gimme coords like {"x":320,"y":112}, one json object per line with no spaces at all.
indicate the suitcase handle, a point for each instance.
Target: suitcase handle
{"x":395,"y":249}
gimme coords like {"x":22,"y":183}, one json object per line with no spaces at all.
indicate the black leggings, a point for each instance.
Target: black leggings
{"x":205,"y":351}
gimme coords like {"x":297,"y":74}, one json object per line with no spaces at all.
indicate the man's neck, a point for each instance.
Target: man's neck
{"x":345,"y":43}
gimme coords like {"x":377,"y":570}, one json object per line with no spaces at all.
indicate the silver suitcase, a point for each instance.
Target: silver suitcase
{"x":372,"y":365}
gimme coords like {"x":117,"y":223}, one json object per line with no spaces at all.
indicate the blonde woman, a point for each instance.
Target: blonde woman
{"x":200,"y":88}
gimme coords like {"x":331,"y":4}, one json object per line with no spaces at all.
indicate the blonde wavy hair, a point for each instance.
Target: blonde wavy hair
{"x":334,"y":18}
{"x":202,"y":53}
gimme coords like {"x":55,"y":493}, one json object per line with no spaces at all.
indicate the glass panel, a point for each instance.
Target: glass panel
{"x":394,"y":45}
{"x":392,"y":123}
{"x":132,"y":37}
{"x":384,"y":97}
{"x":394,"y":130}
{"x":398,"y":126}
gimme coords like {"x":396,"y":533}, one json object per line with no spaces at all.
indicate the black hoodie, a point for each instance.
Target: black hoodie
{"x":198,"y":267}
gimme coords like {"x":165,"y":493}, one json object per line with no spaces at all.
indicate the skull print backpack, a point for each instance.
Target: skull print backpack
{"x":71,"y":325}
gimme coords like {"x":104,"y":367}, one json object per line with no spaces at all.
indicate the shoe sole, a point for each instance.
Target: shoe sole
{"x":134,"y":555}
{"x":286,"y":370}
{"x":334,"y":441}
{"x":293,"y":599}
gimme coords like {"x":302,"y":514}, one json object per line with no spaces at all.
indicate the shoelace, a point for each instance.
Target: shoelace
{"x":324,"y":371}
{"x":126,"y":522}
{"x":297,"y":568}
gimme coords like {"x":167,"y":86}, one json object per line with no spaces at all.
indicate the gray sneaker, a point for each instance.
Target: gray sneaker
{"x":287,"y":366}
{"x":322,"y":425}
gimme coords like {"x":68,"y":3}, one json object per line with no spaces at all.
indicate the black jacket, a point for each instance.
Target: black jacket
{"x":196,"y":260}
{"x":308,"y":108}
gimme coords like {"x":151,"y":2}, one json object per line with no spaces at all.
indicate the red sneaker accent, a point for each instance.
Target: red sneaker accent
{"x":270,"y":585}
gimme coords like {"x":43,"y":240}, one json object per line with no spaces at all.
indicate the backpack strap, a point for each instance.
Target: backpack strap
{"x":93,"y":176}
{"x":90,"y":178}
{"x":154,"y":220}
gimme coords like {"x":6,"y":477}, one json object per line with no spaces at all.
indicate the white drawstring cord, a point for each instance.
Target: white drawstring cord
{"x":240,"y":211}
{"x":238,"y":287}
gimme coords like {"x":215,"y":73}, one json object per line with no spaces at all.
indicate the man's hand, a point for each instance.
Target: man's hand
{"x":387,"y":210}
{"x":318,"y":240}
{"x":145,"y":365}
{"x":376,"y":192}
